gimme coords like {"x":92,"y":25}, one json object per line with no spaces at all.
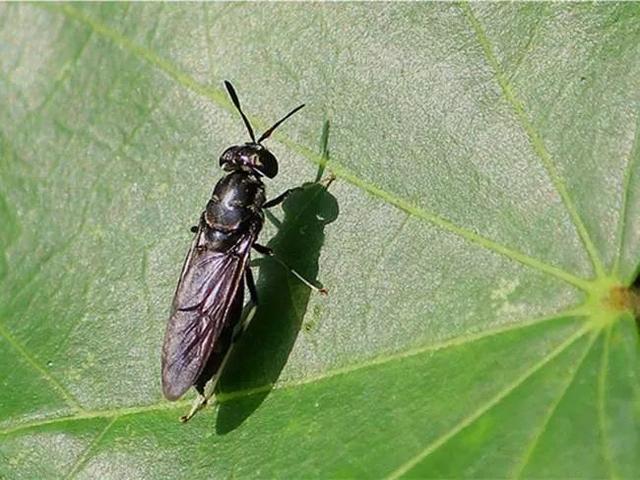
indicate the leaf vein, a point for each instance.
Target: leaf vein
{"x":626,"y":182}
{"x":69,"y":399}
{"x":62,"y":76}
{"x":454,"y":342}
{"x":534,"y":137}
{"x":495,"y":400}
{"x":517,"y":471}
{"x":216,"y":96}
{"x":377,"y":261}
{"x":82,"y":459}
{"x":602,"y":422}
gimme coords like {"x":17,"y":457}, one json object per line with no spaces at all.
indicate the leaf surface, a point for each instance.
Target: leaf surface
{"x":483,"y":217}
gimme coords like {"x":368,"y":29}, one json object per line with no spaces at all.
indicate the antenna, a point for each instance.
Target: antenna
{"x":236,"y":102}
{"x":268,"y":133}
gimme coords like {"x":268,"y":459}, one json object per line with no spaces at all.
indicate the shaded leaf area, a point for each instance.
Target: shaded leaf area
{"x":486,"y":198}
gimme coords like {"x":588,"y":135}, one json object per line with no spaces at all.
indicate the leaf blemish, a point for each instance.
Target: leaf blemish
{"x":500,"y":297}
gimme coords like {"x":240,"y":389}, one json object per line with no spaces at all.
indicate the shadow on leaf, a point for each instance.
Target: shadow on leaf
{"x":258,"y":359}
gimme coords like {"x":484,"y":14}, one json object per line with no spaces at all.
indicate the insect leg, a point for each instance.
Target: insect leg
{"x":198,"y":404}
{"x":253,"y":291}
{"x":205,"y":392}
{"x":261,"y":249}
{"x":280,"y":198}
{"x":238,"y":330}
{"x":328,"y":180}
{"x":251,"y":306}
{"x":195,"y":228}
{"x":283,"y":196}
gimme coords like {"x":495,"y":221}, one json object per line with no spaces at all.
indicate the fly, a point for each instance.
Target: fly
{"x":207,"y":310}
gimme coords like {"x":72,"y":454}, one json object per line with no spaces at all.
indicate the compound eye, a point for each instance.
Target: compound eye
{"x":268,"y":164}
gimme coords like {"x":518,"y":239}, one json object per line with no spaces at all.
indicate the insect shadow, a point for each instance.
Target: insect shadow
{"x":259,"y":357}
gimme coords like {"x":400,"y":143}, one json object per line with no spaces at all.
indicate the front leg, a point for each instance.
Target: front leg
{"x":195,"y":228}
{"x":280,"y":198}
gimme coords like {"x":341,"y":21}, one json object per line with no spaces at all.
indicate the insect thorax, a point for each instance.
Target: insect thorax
{"x":236,"y":199}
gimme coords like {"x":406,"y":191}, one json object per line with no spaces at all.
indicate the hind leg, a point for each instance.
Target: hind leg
{"x":206,"y":383}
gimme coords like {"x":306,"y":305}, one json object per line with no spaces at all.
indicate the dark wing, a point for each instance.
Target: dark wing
{"x":223,"y":343}
{"x":208,"y":288}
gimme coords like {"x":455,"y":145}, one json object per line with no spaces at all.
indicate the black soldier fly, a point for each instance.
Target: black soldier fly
{"x":207,"y":312}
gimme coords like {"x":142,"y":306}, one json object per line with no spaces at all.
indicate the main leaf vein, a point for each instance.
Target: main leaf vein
{"x":222,"y":398}
{"x":216,"y":96}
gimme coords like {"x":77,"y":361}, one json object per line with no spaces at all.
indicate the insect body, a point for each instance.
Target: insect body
{"x":206,"y":315}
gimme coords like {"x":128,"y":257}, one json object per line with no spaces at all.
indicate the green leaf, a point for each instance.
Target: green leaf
{"x":477,"y":244}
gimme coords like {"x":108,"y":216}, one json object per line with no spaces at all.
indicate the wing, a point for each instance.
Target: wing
{"x":225,"y":339}
{"x":208,"y":288}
